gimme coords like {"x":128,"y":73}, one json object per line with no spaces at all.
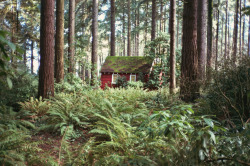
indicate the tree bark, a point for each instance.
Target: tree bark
{"x":248,"y":38}
{"x":135,"y":33}
{"x":46,"y":72}
{"x":59,"y":52}
{"x":226,"y":26}
{"x":153,"y":29}
{"x":13,"y":32}
{"x":32,"y":57}
{"x":138,"y":32}
{"x":201,"y":37}
{"x":222,"y":34}
{"x":164,"y":20}
{"x":172,"y":85}
{"x":235,"y":35}
{"x":228,"y":37}
{"x":243,"y":29}
{"x":217,"y":40}
{"x":71,"y":37}
{"x":146,"y":25}
{"x":209,"y":39}
{"x":123,"y":30}
{"x":240,"y":48}
{"x":112,"y":53}
{"x":94,"y":71}
{"x":177,"y":33}
{"x":129,"y":30}
{"x":25,"y":52}
{"x":189,"y":89}
{"x":161,"y":16}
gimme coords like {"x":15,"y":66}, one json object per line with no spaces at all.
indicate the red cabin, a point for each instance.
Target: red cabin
{"x":130,"y":67}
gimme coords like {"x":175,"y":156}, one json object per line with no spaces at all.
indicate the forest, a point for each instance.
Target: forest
{"x":124,"y":82}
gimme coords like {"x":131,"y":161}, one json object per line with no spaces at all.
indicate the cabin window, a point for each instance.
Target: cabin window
{"x":133,"y":78}
{"x":114,"y":78}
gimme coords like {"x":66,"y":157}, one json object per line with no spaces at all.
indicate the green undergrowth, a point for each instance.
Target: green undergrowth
{"x":119,"y":126}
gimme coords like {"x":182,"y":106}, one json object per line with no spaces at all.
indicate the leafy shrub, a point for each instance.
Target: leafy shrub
{"x":24,"y":87}
{"x":187,"y":135}
{"x":5,"y":56}
{"x":137,"y":84}
{"x":121,"y":81}
{"x":229,"y":95}
{"x":233,"y":148}
{"x":71,"y":84}
{"x":155,"y":81}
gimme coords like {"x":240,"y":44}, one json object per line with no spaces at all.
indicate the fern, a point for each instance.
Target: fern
{"x":11,"y":146}
{"x":37,"y":108}
{"x":65,"y":112}
{"x":10,"y":119}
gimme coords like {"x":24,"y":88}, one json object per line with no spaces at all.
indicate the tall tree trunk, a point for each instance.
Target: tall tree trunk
{"x":235,"y":35}
{"x":161,"y":16}
{"x":112,"y":53}
{"x":83,"y":72}
{"x":59,"y":52}
{"x":135,"y":34}
{"x":153,"y":25}
{"x":189,"y":89}
{"x":123,"y":30}
{"x":240,"y":48}
{"x":217,"y":39}
{"x":226,"y":26}
{"x":228,"y":36}
{"x":172,"y":46}
{"x":46,"y":72}
{"x":146,"y":25}
{"x":71,"y":37}
{"x":222,"y":30}
{"x":13,"y":31}
{"x":177,"y":33}
{"x":32,"y":57}
{"x":201,"y":37}
{"x":94,"y":71}
{"x":243,"y":29}
{"x":209,"y":38}
{"x":249,"y":37}
{"x":17,"y":17}
{"x":138,"y":32}
{"x":129,"y":30}
{"x":25,"y":52}
{"x":164,"y":20}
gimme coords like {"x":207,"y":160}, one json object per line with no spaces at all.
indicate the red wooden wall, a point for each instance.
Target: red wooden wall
{"x":106,"y":79}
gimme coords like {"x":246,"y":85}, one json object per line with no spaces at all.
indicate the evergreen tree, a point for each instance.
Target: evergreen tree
{"x":201,"y":36}
{"x":172,"y":45}
{"x":59,"y":46}
{"x":94,"y":72}
{"x":112,"y":53}
{"x":189,"y":88}
{"x":153,"y":25}
{"x":71,"y":35}
{"x":209,"y":38}
{"x":46,"y":72}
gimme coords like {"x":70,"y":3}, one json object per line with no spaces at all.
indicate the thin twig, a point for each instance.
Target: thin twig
{"x":229,"y":101}
{"x":225,"y":158}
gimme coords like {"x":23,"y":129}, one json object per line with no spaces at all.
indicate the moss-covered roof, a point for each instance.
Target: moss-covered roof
{"x":122,"y":64}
